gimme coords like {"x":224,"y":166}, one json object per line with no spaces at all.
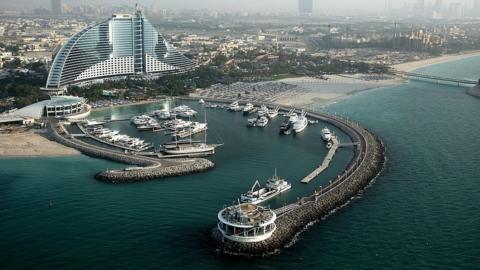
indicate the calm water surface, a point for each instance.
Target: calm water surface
{"x":421,"y":213}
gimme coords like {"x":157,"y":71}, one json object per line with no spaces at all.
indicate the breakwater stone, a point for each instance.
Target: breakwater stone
{"x":149,"y":169}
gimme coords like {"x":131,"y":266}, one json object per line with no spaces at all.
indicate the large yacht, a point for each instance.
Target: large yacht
{"x":274,"y":187}
{"x":184,"y":111}
{"x":273,"y":112}
{"x":262,"y":122}
{"x":141,"y":120}
{"x":177,"y":124}
{"x":301,"y":123}
{"x":191,"y":130}
{"x":262,"y":111}
{"x":188,"y":148}
{"x":162,"y":114}
{"x":235,"y":106}
{"x":248,"y":108}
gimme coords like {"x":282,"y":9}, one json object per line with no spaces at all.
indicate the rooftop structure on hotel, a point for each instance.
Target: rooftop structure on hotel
{"x":124,"y":45}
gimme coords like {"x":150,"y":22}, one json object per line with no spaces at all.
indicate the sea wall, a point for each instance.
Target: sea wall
{"x":153,"y":172}
{"x":151,"y":167}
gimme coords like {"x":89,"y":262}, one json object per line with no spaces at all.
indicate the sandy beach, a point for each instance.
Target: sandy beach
{"x":321,"y":91}
{"x":30,"y":144}
{"x":411,"y":66}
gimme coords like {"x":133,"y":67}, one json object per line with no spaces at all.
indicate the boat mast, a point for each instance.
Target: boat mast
{"x":206,"y":126}
{"x":190,"y":129}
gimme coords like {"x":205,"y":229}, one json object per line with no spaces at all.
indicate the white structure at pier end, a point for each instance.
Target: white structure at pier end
{"x":246,"y":223}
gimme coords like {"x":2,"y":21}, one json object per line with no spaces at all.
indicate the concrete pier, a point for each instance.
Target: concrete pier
{"x":325,"y":163}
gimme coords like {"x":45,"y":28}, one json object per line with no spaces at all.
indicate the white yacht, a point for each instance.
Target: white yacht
{"x":262,"y":111}
{"x":274,"y":187}
{"x":201,"y":101}
{"x":189,"y":149}
{"x":301,"y":123}
{"x":252,"y":122}
{"x":184,"y":111}
{"x":162,"y":114}
{"x":178,"y":124}
{"x":108,"y":133}
{"x":141,"y":120}
{"x":93,"y":123}
{"x":326,"y":135}
{"x":273,"y":112}
{"x":235,"y":106}
{"x":191,"y":130}
{"x":248,"y":108}
{"x":262,"y":122}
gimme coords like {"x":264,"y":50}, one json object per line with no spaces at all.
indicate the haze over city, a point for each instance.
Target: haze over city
{"x":320,"y":6}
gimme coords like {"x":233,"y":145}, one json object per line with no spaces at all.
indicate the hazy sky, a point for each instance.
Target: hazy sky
{"x":234,"y":5}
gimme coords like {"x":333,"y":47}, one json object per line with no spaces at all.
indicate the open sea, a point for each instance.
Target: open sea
{"x":422,"y":213}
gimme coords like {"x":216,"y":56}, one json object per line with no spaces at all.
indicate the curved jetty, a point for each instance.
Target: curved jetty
{"x":149,"y":168}
{"x":367,"y":163}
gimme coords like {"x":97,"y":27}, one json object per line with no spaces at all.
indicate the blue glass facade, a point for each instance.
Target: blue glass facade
{"x":121,"y":46}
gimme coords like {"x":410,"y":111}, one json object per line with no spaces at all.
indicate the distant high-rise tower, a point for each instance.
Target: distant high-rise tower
{"x":57,"y":7}
{"x":437,"y":9}
{"x":420,"y":8}
{"x":438,"y":5}
{"x":305,"y":6}
{"x":476,"y":8}
{"x":388,"y":6}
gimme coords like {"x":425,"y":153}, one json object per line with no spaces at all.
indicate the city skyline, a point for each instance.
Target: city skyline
{"x":247,"y":5}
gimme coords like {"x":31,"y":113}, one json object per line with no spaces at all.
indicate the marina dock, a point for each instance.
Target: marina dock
{"x":325,"y":163}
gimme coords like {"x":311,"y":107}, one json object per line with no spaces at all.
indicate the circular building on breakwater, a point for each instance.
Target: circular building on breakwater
{"x":246,"y":223}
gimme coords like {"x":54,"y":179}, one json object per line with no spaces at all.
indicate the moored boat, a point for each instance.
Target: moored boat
{"x":248,"y":108}
{"x":301,"y":123}
{"x":274,"y":187}
{"x":262,"y":122}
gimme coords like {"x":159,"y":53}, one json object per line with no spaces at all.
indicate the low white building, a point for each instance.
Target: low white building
{"x":246,"y":223}
{"x":56,"y":106}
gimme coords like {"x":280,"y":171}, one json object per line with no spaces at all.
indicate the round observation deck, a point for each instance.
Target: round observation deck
{"x":246,"y":223}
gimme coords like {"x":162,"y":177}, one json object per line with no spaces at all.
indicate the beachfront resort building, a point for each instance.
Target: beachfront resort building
{"x":124,"y":45}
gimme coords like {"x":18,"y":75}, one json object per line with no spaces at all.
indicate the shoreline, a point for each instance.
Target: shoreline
{"x":413,"y":65}
{"x":31,"y":144}
{"x":325,"y":93}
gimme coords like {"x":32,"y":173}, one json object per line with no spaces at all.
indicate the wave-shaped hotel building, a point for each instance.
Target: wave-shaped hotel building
{"x":122,"y":46}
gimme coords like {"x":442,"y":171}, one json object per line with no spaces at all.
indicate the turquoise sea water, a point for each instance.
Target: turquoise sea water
{"x":422,"y":213}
